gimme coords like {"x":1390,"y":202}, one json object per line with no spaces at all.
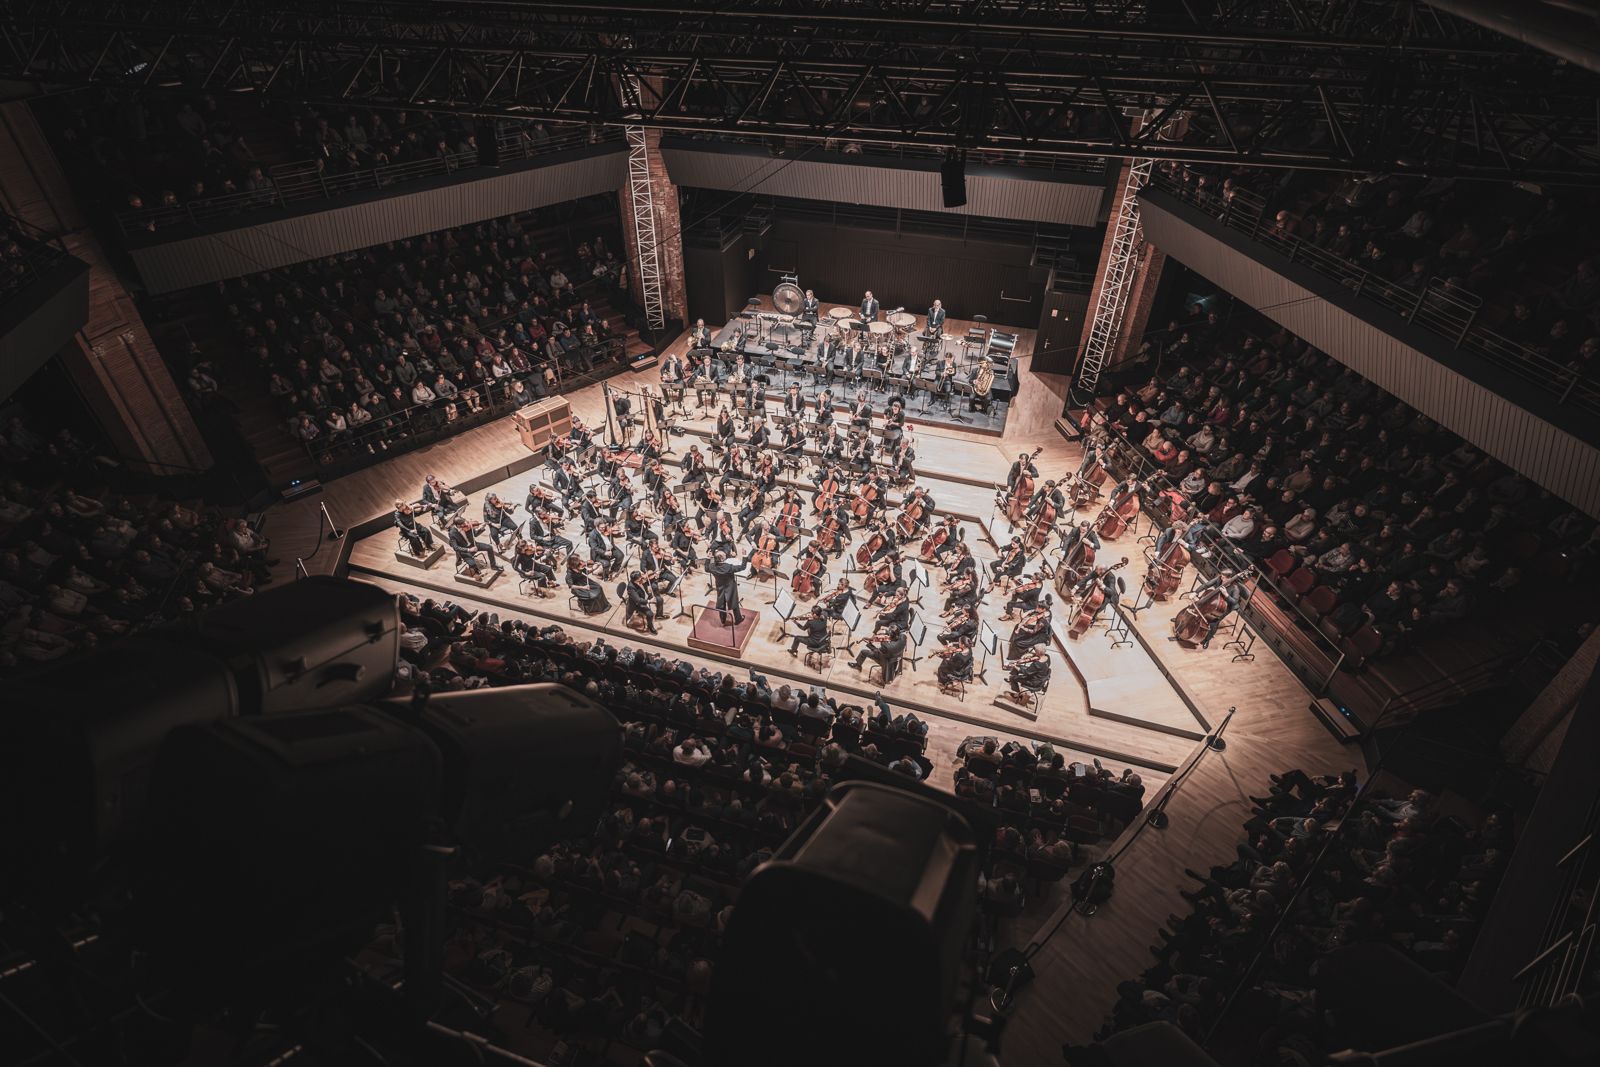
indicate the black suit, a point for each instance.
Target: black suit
{"x":638,"y":601}
{"x":416,"y":535}
{"x":810,"y":306}
{"x":726,"y":577}
{"x":814,"y":636}
{"x":957,"y":666}
{"x":869,"y":310}
{"x":886,"y":653}
{"x":936,"y":317}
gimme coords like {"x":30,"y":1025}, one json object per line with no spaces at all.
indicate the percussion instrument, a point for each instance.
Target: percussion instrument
{"x":788,"y":297}
{"x":839,"y":315}
{"x":879,"y":330}
{"x":902,"y":321}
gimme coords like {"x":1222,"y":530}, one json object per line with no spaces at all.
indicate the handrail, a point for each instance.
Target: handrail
{"x":1445,"y":310}
{"x":910,"y":150}
{"x":306,"y":180}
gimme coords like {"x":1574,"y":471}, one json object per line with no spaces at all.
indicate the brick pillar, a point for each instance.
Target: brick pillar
{"x":114,"y":362}
{"x":669,"y":236}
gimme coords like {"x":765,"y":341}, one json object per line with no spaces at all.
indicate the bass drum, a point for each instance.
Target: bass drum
{"x":787,"y":297}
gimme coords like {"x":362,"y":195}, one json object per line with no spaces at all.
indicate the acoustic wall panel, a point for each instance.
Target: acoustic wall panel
{"x":1489,"y":412}
{"x":244,"y":248}
{"x":1033,"y":195}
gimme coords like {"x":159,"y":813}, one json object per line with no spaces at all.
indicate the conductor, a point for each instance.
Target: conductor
{"x":725,"y":574}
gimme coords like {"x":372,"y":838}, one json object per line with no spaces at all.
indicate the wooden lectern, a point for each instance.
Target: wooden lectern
{"x":542,"y":422}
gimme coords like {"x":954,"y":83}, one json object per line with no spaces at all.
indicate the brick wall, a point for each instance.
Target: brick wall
{"x":669,"y":236}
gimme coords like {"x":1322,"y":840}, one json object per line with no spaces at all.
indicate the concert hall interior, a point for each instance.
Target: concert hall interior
{"x":763,"y":533}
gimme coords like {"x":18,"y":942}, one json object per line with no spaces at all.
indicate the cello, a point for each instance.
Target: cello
{"x":865,"y":552}
{"x":807,"y":573}
{"x":911,"y":516}
{"x":823,"y":501}
{"x":937,"y":539}
{"x":1166,"y":570}
{"x":827,"y":537}
{"x":1192,"y":626}
{"x":861,"y":506}
{"x":1091,"y":603}
{"x":761,"y":558}
{"x":787,"y":524}
{"x":884,"y":573}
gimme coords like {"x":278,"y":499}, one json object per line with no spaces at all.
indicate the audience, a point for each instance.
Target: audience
{"x":1299,"y":463}
{"x":1318,"y":871}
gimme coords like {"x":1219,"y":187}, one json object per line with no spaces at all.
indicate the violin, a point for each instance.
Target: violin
{"x":1166,"y":570}
{"x":1193,"y":624}
{"x":1094,"y":599}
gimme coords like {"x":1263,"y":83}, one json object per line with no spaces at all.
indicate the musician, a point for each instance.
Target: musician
{"x":1084,"y":531}
{"x":1091,"y":456}
{"x":897,"y":610}
{"x":1167,"y":536}
{"x":497,"y":517}
{"x":1234,"y":593}
{"x":589,"y":510}
{"x":962,"y":623}
{"x":638,"y":599}
{"x":1023,"y":466}
{"x":1025,"y":596}
{"x":814,"y":632}
{"x":855,"y":358}
{"x":825,"y":407}
{"x":1126,"y":488}
{"x":1048,"y":493}
{"x":464,"y":541}
{"x":963,"y":594}
{"x":860,"y":449}
{"x":952,"y":538}
{"x":810,"y":307}
{"x":682,"y":544}
{"x":725,"y":429}
{"x":1010,"y":562}
{"x":794,"y":444}
{"x":565,"y":480}
{"x":936,"y":317}
{"x":542,"y":532}
{"x":885,"y":646}
{"x":649,"y":451}
{"x":832,"y":445}
{"x":636,"y":527}
{"x":759,"y":437}
{"x":827,"y":350}
{"x":904,"y":461}
{"x":834,"y":603}
{"x":947,"y":373}
{"x":749,"y":514}
{"x":672,"y":370}
{"x":603,"y":549}
{"x":869,"y":307}
{"x":725,"y":575}
{"x":417,"y":536}
{"x":531,"y":563}
{"x":591,"y":595}
{"x":896,"y":579}
{"x":965,"y":565}
{"x":755,"y":397}
{"x":955,"y":664}
{"x":891,"y":541}
{"x":982,"y":379}
{"x":794,"y":402}
{"x":700,"y":336}
{"x":694,"y":466}
{"x":1109,"y":584}
{"x":1032,"y":630}
{"x":541,"y":499}
{"x":439,"y":497}
{"x":1028,"y":675}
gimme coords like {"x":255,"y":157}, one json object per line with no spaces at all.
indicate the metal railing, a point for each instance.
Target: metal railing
{"x":797,"y":146}
{"x":293,"y":183}
{"x":1564,"y":965}
{"x":1445,"y":310}
{"x":36,"y":253}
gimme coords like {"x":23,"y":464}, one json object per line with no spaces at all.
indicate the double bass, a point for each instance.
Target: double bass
{"x":1016,"y":502}
{"x":1193,"y":624}
{"x":1166,"y":570}
{"x":1091,"y":604}
{"x":1075,"y":566}
{"x":1038,"y":534}
{"x":1116,"y":516}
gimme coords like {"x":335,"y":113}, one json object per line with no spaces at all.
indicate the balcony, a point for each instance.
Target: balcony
{"x":44,"y":300}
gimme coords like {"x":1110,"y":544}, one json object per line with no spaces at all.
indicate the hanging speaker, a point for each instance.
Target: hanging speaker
{"x":953,"y":174}
{"x":488,"y":144}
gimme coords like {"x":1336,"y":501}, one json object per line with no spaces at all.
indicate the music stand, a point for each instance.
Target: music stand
{"x":1118,"y":631}
{"x":850,"y":615}
{"x":785,"y":606}
{"x":918,"y":633}
{"x":959,"y":389}
{"x":916,"y":576}
{"x":989,"y":644}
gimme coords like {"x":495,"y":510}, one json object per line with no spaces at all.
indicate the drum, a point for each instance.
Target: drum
{"x":879,"y":330}
{"x":902,"y":321}
{"x":787,"y":297}
{"x":838,"y":315}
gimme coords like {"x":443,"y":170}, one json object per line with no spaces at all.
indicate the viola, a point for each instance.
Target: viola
{"x":1094,"y":599}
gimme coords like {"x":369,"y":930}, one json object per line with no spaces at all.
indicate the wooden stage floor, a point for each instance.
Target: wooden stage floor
{"x":1160,"y":693}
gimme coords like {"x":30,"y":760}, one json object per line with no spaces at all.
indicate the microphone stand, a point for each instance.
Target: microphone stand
{"x":1214,"y":743}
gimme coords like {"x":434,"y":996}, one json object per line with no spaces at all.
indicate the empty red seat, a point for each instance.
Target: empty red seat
{"x":1282,"y":562}
{"x":1300,"y":582}
{"x":1320,"y":601}
{"x":1360,"y":646}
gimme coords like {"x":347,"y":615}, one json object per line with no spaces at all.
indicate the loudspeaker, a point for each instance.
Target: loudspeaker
{"x":953,"y":175}
{"x":488,"y":144}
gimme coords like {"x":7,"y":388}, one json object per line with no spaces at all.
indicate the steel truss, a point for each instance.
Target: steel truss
{"x":642,"y":199}
{"x":1122,"y":266}
{"x":1353,"y":85}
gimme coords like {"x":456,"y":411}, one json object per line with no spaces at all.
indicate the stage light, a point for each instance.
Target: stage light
{"x":953,"y":176}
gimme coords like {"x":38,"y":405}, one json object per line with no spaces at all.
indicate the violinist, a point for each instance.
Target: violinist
{"x":885,"y":647}
{"x":565,"y":481}
{"x":682,"y":544}
{"x":603,"y":550}
{"x":964,"y":565}
{"x":814,"y":632}
{"x":637,"y":603}
{"x":962,"y":593}
{"x":497,"y":519}
{"x":541,"y":499}
{"x":955,"y":664}
{"x":896,"y":610}
{"x":961,"y":622}
{"x":606,"y":462}
{"x":694,"y":466}
{"x":658,"y":573}
{"x":654,"y":476}
{"x":591,"y":595}
{"x":464,"y":540}
{"x":636,"y":527}
{"x":750,"y":509}
{"x":1010,"y":562}
{"x":1032,"y":630}
{"x":439,"y":497}
{"x":542,"y":531}
{"x":1024,"y":595}
{"x":417,"y":536}
{"x":834,"y":603}
{"x":621,"y":501}
{"x":533,"y":565}
{"x":590,"y":510}
{"x":1028,"y":675}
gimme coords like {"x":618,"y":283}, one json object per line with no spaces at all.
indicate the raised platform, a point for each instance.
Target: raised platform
{"x":482,"y":580}
{"x":711,"y":634}
{"x":419,"y":562}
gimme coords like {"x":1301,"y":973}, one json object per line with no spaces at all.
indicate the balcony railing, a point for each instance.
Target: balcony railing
{"x":34,"y":253}
{"x":1443,"y":309}
{"x":296,"y":183}
{"x":795,"y":147}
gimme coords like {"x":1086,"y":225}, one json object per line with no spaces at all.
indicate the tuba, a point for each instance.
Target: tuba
{"x":983,"y":381}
